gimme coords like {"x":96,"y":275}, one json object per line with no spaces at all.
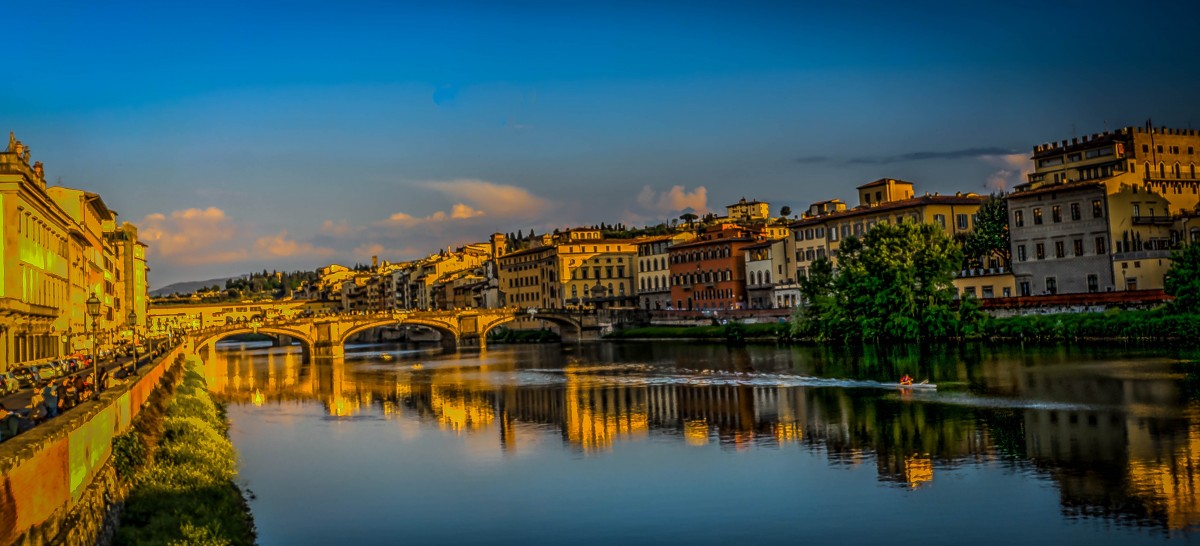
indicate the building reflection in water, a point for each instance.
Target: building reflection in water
{"x":1124,"y":447}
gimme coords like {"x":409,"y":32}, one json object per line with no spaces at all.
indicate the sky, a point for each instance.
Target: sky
{"x":248,"y":135}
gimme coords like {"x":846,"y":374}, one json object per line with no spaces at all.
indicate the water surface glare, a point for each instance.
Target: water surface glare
{"x":676,"y":442}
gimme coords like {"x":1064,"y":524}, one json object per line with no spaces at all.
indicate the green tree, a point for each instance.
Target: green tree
{"x":893,"y":284}
{"x":1183,"y":279}
{"x":785,"y":211}
{"x":689,"y":217}
{"x":989,"y":240}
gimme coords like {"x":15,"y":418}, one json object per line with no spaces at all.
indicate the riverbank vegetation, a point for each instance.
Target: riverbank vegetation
{"x":733,"y":331}
{"x":180,"y":466}
{"x":895,"y":283}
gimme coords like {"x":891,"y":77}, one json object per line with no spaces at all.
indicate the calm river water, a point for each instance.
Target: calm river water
{"x":672,"y":442}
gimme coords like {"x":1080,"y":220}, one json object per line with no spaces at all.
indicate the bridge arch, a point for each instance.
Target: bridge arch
{"x":449,"y":333}
{"x":211,"y":338}
{"x":568,"y":325}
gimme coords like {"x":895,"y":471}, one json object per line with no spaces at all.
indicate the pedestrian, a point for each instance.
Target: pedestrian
{"x":37,"y":409}
{"x":70,"y":393}
{"x":50,"y":399}
{"x":103,"y":386}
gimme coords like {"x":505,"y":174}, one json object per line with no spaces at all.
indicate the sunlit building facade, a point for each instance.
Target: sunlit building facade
{"x":1102,"y":213}
{"x":61,"y":246}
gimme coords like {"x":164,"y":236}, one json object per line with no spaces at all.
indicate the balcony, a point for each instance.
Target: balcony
{"x":1156,"y":220}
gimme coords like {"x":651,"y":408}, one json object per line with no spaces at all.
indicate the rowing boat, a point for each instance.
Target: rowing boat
{"x":924,"y":385}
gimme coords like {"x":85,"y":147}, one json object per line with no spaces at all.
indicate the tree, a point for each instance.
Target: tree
{"x":1183,"y":279}
{"x":893,"y":284}
{"x":689,"y":217}
{"x":989,"y":239}
{"x":785,"y":211}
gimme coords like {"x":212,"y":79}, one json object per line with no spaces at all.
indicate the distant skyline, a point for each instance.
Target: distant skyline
{"x":242,"y":136}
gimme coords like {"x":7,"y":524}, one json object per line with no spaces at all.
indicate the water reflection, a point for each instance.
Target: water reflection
{"x":1115,"y":429}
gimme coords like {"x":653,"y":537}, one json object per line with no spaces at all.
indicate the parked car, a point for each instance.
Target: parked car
{"x":45,"y":372}
{"x":26,"y":377}
{"x":9,"y":383}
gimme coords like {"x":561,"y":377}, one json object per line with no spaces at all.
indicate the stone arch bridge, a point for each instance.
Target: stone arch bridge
{"x":325,"y":337}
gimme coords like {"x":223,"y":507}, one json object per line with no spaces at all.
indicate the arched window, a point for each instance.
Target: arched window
{"x":574,"y":291}
{"x":768,"y":277}
{"x":1147,"y":170}
{"x":1193,"y":170}
{"x":1176,"y":169}
{"x":1162,"y":170}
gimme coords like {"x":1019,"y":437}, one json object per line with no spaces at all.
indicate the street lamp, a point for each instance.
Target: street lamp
{"x":93,"y":310}
{"x":132,"y":320}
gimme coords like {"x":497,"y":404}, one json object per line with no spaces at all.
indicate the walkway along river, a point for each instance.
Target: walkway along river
{"x":657,"y":442}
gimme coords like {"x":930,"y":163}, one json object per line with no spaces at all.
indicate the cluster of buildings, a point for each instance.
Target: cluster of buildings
{"x":1098,"y":214}
{"x":60,"y":247}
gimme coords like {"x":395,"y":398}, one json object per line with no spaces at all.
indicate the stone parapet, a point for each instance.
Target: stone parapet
{"x":57,"y":482}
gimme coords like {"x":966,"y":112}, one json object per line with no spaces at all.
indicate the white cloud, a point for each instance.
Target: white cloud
{"x":192,"y":236}
{"x":1013,"y":169}
{"x":281,"y":246}
{"x":675,"y":199}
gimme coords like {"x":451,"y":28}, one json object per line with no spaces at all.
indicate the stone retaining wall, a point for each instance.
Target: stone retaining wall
{"x":58,"y":485}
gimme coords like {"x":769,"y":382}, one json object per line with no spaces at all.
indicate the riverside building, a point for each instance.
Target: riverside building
{"x":821,"y":230}
{"x":61,"y":246}
{"x":1103,"y":212}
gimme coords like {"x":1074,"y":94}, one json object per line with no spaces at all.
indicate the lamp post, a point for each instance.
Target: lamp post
{"x":132,"y":320}
{"x":93,"y":310}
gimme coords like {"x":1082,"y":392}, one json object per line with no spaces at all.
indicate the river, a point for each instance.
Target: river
{"x":668,"y":442}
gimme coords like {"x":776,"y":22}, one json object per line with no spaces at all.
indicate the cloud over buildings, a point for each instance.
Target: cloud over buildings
{"x":1012,"y":169}
{"x":676,"y":199}
{"x":192,"y":236}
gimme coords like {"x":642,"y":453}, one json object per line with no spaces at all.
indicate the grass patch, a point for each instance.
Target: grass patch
{"x":732,"y":332}
{"x":184,"y":492}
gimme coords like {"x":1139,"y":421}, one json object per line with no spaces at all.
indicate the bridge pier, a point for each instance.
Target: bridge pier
{"x":471,"y":342}
{"x":326,"y":350}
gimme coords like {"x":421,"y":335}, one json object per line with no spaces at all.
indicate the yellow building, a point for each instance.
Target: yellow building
{"x":59,"y":247}
{"x":578,"y":267}
{"x":819,"y":233}
{"x":1102,"y":212}
{"x":748,"y":211}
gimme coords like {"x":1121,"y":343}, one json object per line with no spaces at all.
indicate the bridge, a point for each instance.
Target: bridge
{"x":326,"y":336}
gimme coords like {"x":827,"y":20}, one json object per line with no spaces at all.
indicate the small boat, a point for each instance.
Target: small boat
{"x":385,"y":356}
{"x":924,"y":385}
{"x":417,"y":366}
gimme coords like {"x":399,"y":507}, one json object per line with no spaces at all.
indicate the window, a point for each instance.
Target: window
{"x":1021,"y":253}
{"x":1040,"y":251}
{"x":1100,"y":250}
{"x":1019,"y":218}
{"x":1056,"y":213}
{"x":940,"y":219}
{"x":1051,"y":285}
{"x":1137,"y":210}
{"x":1075,"y":215}
{"x":1037,"y":217}
{"x":1093,"y":283}
{"x":1078,"y":244}
{"x":1059,"y":249}
{"x":833,"y":235}
{"x":1097,"y":209}
{"x":962,"y":221}
{"x":1025,"y":288}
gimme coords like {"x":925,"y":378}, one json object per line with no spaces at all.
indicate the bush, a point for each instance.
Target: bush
{"x":186,"y":495}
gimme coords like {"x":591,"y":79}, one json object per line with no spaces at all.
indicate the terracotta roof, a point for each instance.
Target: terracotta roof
{"x":1053,"y":188}
{"x":705,"y":242}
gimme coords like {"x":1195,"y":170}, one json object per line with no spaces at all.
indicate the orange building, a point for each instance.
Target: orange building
{"x":709,"y":273}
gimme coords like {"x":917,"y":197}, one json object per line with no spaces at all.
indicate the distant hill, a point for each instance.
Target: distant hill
{"x":187,"y":287}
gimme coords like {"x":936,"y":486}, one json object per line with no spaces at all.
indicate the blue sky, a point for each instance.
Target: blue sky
{"x":248,"y":135}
